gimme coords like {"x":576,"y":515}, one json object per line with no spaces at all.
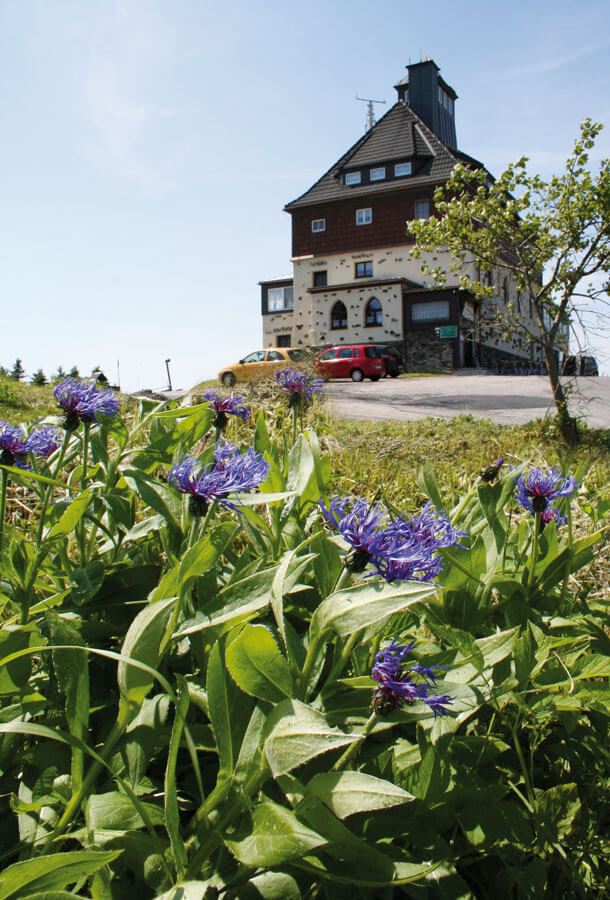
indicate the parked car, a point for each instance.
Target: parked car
{"x":355,"y":361}
{"x":580,"y":365}
{"x":261,"y":364}
{"x":393,"y":363}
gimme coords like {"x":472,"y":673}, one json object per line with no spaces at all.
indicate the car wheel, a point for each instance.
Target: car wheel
{"x":394,"y":374}
{"x":375,"y":377}
{"x":357,"y":375}
{"x":228,"y":379}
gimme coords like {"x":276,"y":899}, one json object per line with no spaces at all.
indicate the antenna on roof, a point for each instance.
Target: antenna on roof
{"x":370,"y":114}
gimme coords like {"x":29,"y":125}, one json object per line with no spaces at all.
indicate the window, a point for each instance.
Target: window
{"x":338,"y":315}
{"x":283,"y":340}
{"x":318,"y":225}
{"x":257,"y":356}
{"x":377,"y":174}
{"x":430,"y":311}
{"x":422,"y":209}
{"x":364,"y":269}
{"x":505,"y":290}
{"x":402,"y":169}
{"x":353,"y":178}
{"x":347,"y":353}
{"x":319,"y":278}
{"x":372,"y":315}
{"x":364,"y":216}
{"x":329,"y":354}
{"x":279,"y":299}
{"x":372,"y":352}
{"x":297,"y":355}
{"x":274,"y":356}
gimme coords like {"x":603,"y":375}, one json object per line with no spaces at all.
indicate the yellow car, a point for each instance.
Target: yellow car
{"x":261,"y":364}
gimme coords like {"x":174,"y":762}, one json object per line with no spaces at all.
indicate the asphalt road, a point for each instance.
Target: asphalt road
{"x":505,"y":399}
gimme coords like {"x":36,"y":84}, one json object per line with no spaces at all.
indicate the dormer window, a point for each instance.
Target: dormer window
{"x":401,"y":169}
{"x":377,"y":174}
{"x":353,"y":178}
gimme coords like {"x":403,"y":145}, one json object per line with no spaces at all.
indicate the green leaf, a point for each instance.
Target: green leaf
{"x":229,"y":714}
{"x":182,"y":412}
{"x":259,"y":497}
{"x":187,"y":890}
{"x":52,"y":872}
{"x":257,"y":666}
{"x":240,"y":600}
{"x":426,"y":482}
{"x":201,"y":557}
{"x":296,"y":733}
{"x":268,"y":886}
{"x":276,"y":836}
{"x":346,"y":793}
{"x":367,"y":604}
{"x":113,"y":811}
{"x":70,"y":518}
{"x":72,"y":670}
{"x":172,"y":814}
{"x":556,"y":810}
{"x":143,"y":642}
{"x":14,"y":674}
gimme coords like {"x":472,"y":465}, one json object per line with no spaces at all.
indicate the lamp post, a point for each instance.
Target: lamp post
{"x":169,"y":377}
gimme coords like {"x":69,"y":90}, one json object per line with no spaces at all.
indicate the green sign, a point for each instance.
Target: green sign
{"x":448,"y":331}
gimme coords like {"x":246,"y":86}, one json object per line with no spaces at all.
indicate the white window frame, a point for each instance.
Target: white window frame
{"x":282,"y":299}
{"x":402,"y":169}
{"x":364,"y":216}
{"x":353,"y":178}
{"x":420,"y":203}
{"x":377,"y":174}
{"x":430,"y":311}
{"x":318,"y":225}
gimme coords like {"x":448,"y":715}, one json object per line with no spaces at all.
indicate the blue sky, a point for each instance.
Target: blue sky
{"x":149,"y":147}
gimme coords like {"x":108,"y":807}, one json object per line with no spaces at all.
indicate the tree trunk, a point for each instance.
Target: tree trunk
{"x":568,"y":425}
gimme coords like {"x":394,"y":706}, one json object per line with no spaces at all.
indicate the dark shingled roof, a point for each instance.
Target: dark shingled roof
{"x":399,"y":135}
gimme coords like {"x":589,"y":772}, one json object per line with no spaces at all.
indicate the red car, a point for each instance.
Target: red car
{"x":355,"y":361}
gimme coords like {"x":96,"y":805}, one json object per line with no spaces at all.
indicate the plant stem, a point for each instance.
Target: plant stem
{"x":49,"y":490}
{"x":534,"y":556}
{"x":347,"y":755}
{"x":83,"y":484}
{"x":3,"y":492}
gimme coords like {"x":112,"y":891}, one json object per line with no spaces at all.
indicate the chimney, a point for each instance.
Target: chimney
{"x":431,"y":98}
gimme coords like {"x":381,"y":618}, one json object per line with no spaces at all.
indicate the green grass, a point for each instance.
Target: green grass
{"x":24,"y":403}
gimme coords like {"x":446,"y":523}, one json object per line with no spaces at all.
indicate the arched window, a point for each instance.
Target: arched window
{"x":372,"y":315}
{"x":338,"y":315}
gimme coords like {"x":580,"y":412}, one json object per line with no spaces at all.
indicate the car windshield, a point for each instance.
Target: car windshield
{"x":297,"y":355}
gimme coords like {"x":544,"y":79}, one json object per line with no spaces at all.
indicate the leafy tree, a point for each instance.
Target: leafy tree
{"x":549,"y":236}
{"x":39,"y":377}
{"x":17,"y":372}
{"x":4,"y":373}
{"x":59,"y":375}
{"x":74,"y":373}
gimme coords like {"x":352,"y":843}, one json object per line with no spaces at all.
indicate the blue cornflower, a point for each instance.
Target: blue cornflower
{"x":401,"y":549}
{"x":538,"y":489}
{"x":230,"y":471}
{"x":362,"y":526}
{"x":225,"y":406}
{"x":43,"y":441}
{"x":299,"y":386}
{"x":12,"y":445}
{"x":82,"y":402}
{"x":398,"y":686}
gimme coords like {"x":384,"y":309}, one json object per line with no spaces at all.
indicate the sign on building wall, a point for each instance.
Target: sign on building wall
{"x":447,"y":331}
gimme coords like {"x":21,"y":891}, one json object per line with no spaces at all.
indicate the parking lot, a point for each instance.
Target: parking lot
{"x":504,"y":399}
